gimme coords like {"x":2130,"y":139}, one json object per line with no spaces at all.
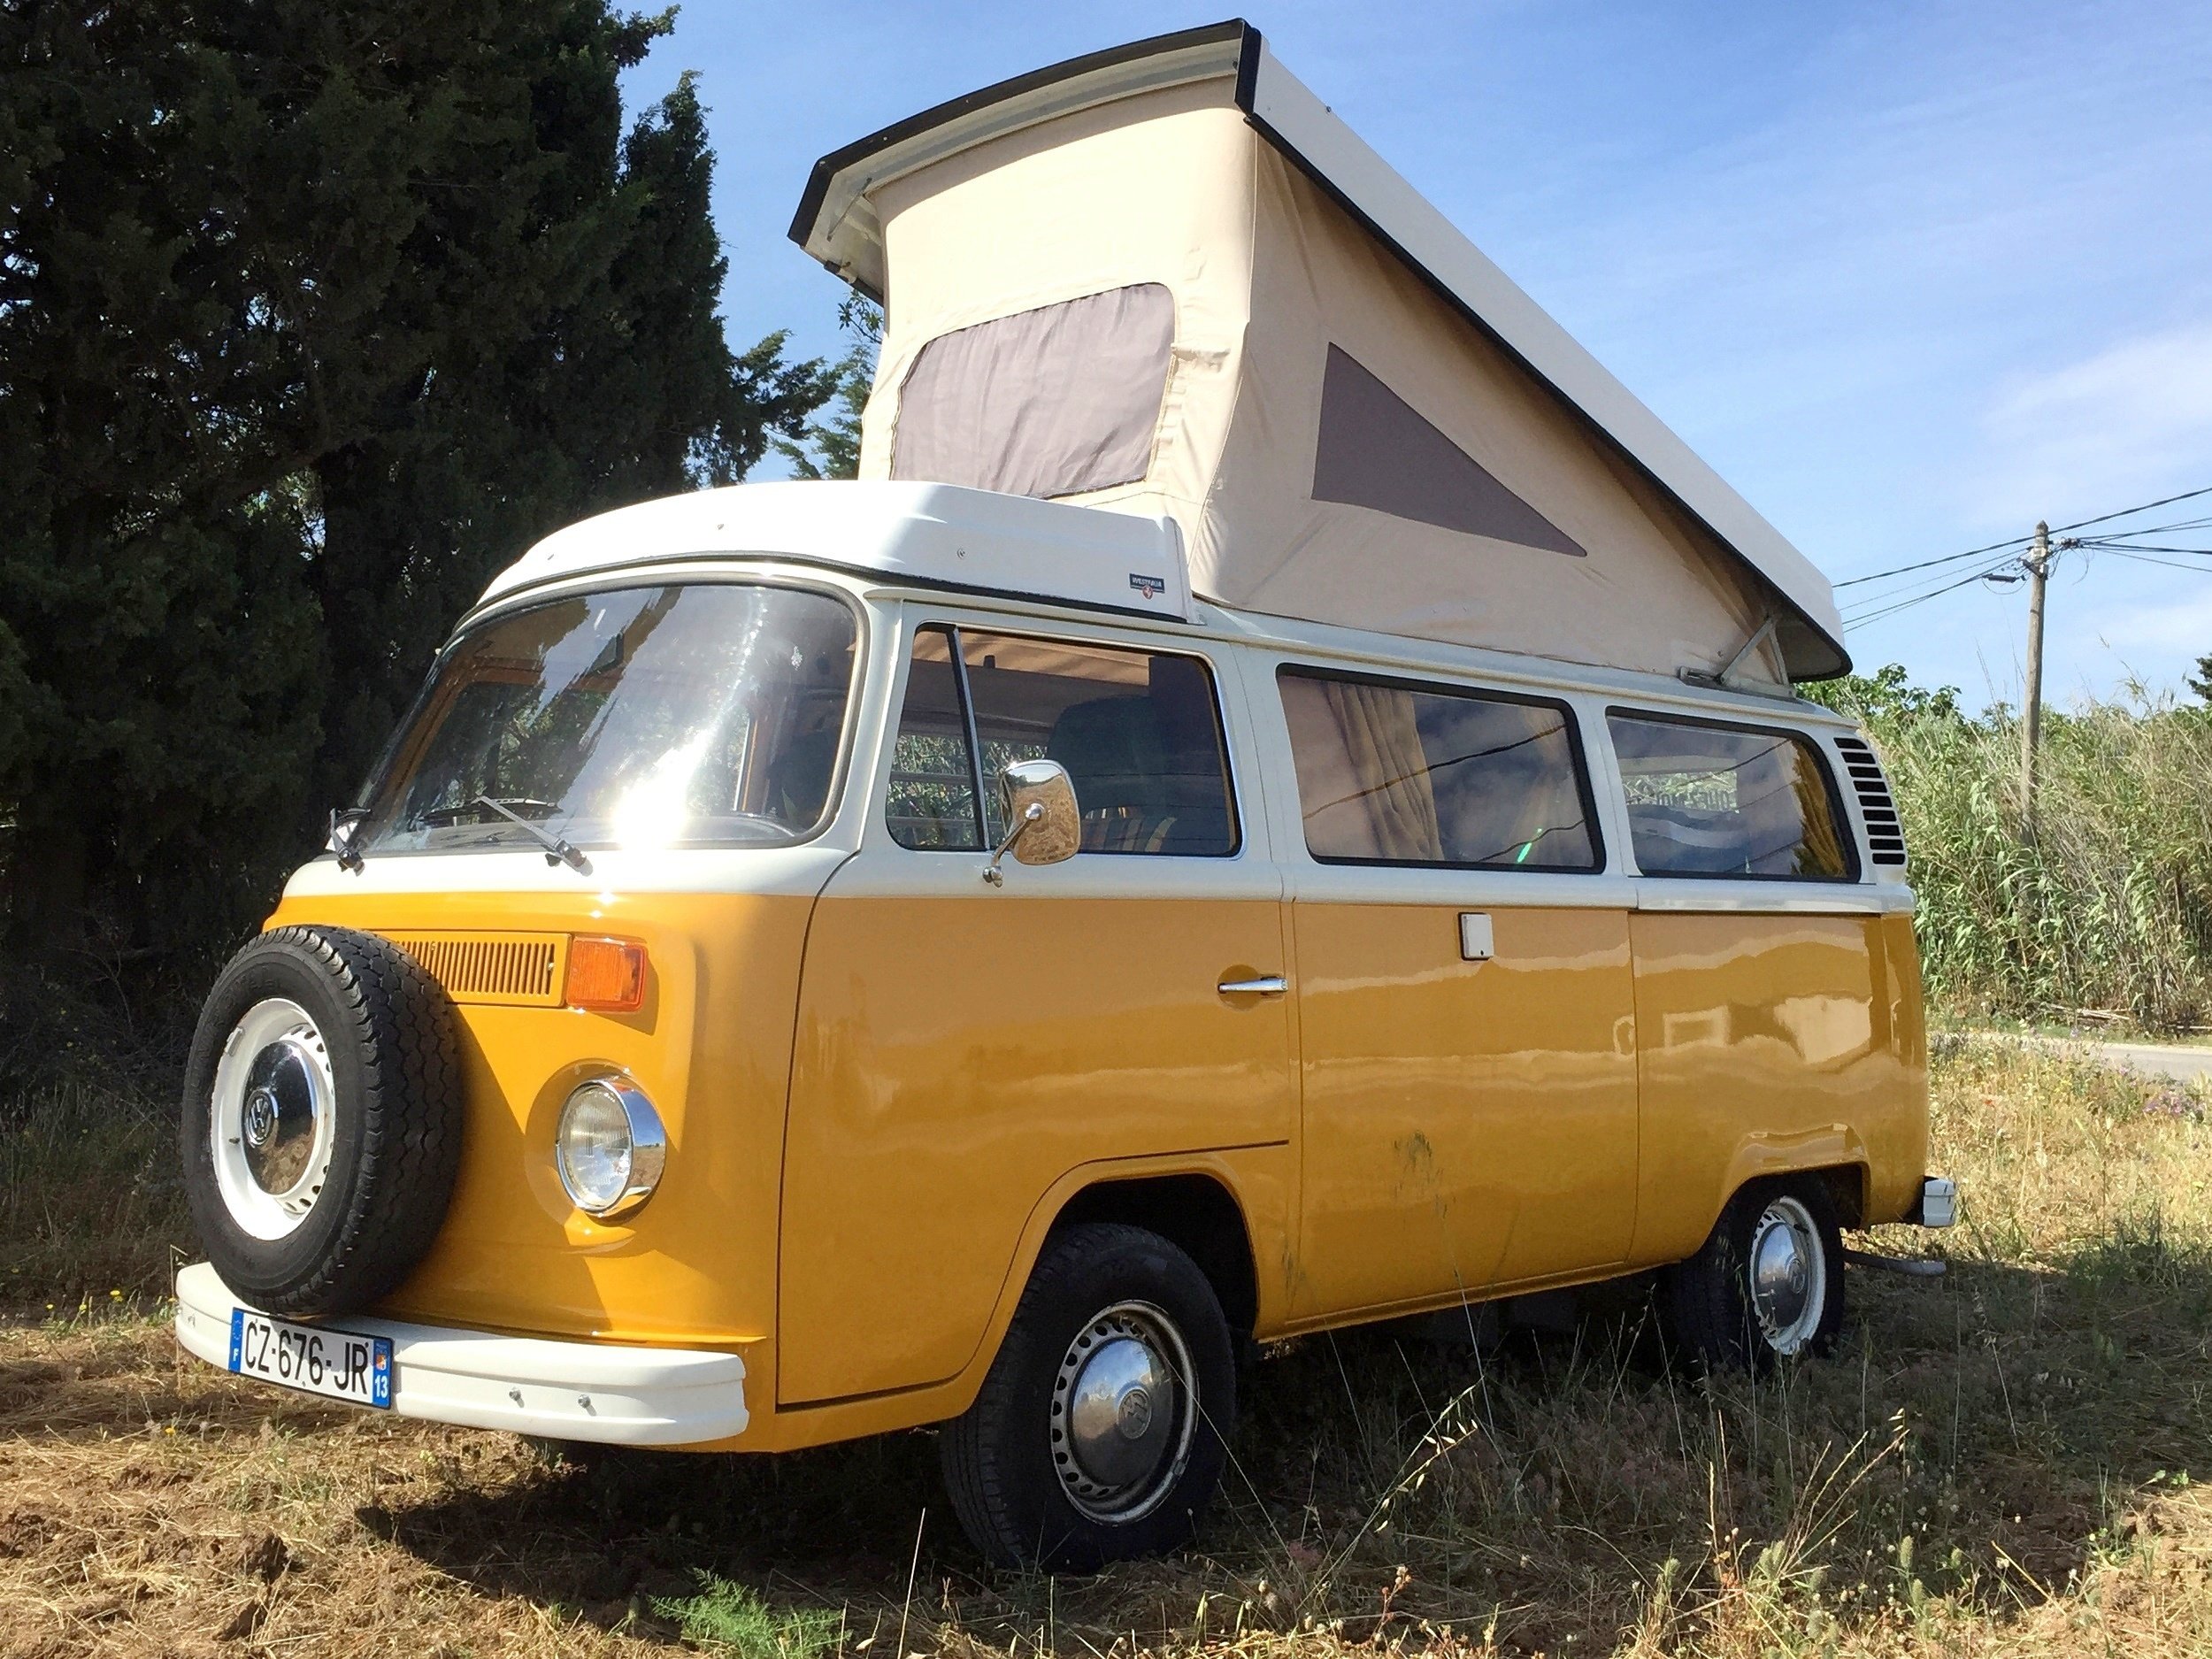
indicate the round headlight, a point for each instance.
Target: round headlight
{"x":611,"y":1148}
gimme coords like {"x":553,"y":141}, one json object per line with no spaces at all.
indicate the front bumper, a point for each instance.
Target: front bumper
{"x":616,"y":1394}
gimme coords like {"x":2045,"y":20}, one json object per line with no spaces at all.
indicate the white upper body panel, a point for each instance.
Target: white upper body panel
{"x":923,"y":533}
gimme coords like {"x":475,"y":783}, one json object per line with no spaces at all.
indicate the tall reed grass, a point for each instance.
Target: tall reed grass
{"x":2103,"y":912}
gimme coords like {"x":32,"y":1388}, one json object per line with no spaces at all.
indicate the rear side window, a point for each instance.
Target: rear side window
{"x":1139,"y":731}
{"x":1707,"y":800}
{"x":1392,"y":773}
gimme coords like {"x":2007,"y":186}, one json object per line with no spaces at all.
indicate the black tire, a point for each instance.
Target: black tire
{"x":1710,"y":1302}
{"x":1007,"y":1461}
{"x":369,"y":1204}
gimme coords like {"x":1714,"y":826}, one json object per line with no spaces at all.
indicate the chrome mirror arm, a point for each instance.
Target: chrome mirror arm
{"x":344,"y":820}
{"x":1030,"y":814}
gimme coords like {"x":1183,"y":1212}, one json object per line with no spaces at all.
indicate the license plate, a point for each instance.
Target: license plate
{"x":339,"y":1365}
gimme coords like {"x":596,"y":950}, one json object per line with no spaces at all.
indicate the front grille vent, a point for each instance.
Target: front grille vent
{"x":514,"y":968}
{"x":1885,"y":834}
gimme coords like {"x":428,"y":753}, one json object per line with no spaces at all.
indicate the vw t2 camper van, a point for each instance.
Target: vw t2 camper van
{"x":1275,"y":801}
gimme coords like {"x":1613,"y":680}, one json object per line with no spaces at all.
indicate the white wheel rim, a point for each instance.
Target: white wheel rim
{"x":272,"y":1118}
{"x":1786,"y":1273}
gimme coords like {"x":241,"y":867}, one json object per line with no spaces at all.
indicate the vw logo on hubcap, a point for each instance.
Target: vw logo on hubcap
{"x":1135,"y":1412}
{"x":258,"y":1121}
{"x":1123,"y":1414}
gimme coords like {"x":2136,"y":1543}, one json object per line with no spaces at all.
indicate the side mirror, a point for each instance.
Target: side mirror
{"x":1043,"y":824}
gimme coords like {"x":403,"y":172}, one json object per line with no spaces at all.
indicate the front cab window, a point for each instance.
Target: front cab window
{"x":700,"y":714}
{"x":1139,"y":731}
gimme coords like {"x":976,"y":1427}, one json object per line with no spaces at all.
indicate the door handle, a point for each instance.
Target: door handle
{"x":1266,"y":985}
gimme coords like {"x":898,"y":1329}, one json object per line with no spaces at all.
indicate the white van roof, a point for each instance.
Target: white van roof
{"x":923,"y":535}
{"x":1114,"y":171}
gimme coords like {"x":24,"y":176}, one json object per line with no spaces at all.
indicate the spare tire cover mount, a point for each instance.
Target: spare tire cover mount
{"x":274,"y":1106}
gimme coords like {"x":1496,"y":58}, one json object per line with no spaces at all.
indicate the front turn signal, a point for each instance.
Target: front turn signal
{"x":606,"y":975}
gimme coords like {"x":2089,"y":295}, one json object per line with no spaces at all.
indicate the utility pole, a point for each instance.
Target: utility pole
{"x":2031,"y":711}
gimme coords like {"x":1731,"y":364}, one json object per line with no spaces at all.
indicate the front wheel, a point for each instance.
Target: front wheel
{"x":1101,"y":1429}
{"x":1767,"y":1285}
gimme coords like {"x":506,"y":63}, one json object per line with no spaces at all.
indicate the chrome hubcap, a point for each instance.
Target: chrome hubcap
{"x":1124,"y":1409}
{"x":1788,"y":1274}
{"x":272,"y":1118}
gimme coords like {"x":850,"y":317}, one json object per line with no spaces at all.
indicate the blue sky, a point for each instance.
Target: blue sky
{"x":1909,"y":276}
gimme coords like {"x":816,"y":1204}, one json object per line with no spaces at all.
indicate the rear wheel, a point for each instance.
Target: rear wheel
{"x":1767,"y":1285}
{"x":1101,"y":1429}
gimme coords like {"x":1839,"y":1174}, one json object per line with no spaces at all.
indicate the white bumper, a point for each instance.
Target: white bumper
{"x":1938,"y":1205}
{"x":572,"y":1391}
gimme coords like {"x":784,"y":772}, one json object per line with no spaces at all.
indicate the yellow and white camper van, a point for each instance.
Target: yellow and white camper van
{"x":1275,"y":801}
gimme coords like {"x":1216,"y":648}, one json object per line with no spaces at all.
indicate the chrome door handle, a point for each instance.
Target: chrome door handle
{"x":1266,"y":985}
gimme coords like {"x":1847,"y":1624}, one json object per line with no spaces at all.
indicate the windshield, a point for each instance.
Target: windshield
{"x":645,"y":716}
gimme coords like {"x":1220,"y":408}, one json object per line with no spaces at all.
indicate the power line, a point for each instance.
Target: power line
{"x":2160,"y":529}
{"x":1855,"y":623}
{"x":1927,"y":586}
{"x":2101,"y":544}
{"x":2021,"y":541}
{"x":2165,"y":501}
{"x":2201,"y":569}
{"x":1948,"y":558}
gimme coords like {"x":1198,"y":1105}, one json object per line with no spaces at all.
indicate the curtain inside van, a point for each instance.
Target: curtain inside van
{"x":1390,"y":771}
{"x":1823,"y":852}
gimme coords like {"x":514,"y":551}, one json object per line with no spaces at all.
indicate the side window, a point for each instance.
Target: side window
{"x":933,"y":799}
{"x":1139,"y":731}
{"x":1389,"y":773}
{"x":1728,"y":800}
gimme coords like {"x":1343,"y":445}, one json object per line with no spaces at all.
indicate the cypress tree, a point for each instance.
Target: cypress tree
{"x":310,"y":318}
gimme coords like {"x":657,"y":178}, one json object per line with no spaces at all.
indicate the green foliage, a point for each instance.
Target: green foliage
{"x":2201,"y":682}
{"x":830,"y":447}
{"x":2107,"y":911}
{"x":726,"y":1617}
{"x":311,"y":318}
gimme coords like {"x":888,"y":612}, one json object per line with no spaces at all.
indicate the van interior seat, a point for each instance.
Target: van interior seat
{"x":1140,"y":791}
{"x":1117,"y":759}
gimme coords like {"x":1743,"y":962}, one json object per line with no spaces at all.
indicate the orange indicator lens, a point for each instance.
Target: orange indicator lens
{"x":606,"y":974}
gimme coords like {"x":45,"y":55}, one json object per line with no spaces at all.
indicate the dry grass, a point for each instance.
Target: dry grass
{"x":1996,"y":1462}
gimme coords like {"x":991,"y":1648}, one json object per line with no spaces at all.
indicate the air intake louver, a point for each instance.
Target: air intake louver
{"x":1884,"y":835}
{"x":517,"y":969}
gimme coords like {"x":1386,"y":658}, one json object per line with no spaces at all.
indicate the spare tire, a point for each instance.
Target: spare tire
{"x":322,"y":1119}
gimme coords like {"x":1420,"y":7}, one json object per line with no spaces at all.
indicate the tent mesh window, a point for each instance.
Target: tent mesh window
{"x":1376,"y":450}
{"x":1057,"y":400}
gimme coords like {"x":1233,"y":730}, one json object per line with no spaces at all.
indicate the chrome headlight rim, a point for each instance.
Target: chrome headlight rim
{"x":648,"y":1147}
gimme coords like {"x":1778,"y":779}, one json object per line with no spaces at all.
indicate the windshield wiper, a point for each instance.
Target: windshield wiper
{"x":557,"y":850}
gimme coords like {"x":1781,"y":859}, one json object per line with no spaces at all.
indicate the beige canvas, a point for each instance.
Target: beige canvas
{"x":1268,"y":274}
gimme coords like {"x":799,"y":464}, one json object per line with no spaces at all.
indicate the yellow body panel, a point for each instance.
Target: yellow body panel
{"x":957,"y":1069}
{"x":695,"y":1267}
{"x":1769,"y":1043}
{"x":957,"y":1059}
{"x":1467,"y":1124}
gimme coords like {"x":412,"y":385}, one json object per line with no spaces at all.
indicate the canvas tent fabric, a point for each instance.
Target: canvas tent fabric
{"x":1339,"y":437}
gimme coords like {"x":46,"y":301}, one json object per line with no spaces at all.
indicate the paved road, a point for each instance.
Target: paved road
{"x":2158,"y":1060}
{"x":2184,"y":1064}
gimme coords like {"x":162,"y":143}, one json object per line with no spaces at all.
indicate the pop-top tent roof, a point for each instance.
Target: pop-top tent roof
{"x":1166,"y":280}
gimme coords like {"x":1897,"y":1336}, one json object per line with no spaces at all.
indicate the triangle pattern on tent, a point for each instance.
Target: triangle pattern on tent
{"x":1377,"y":451}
